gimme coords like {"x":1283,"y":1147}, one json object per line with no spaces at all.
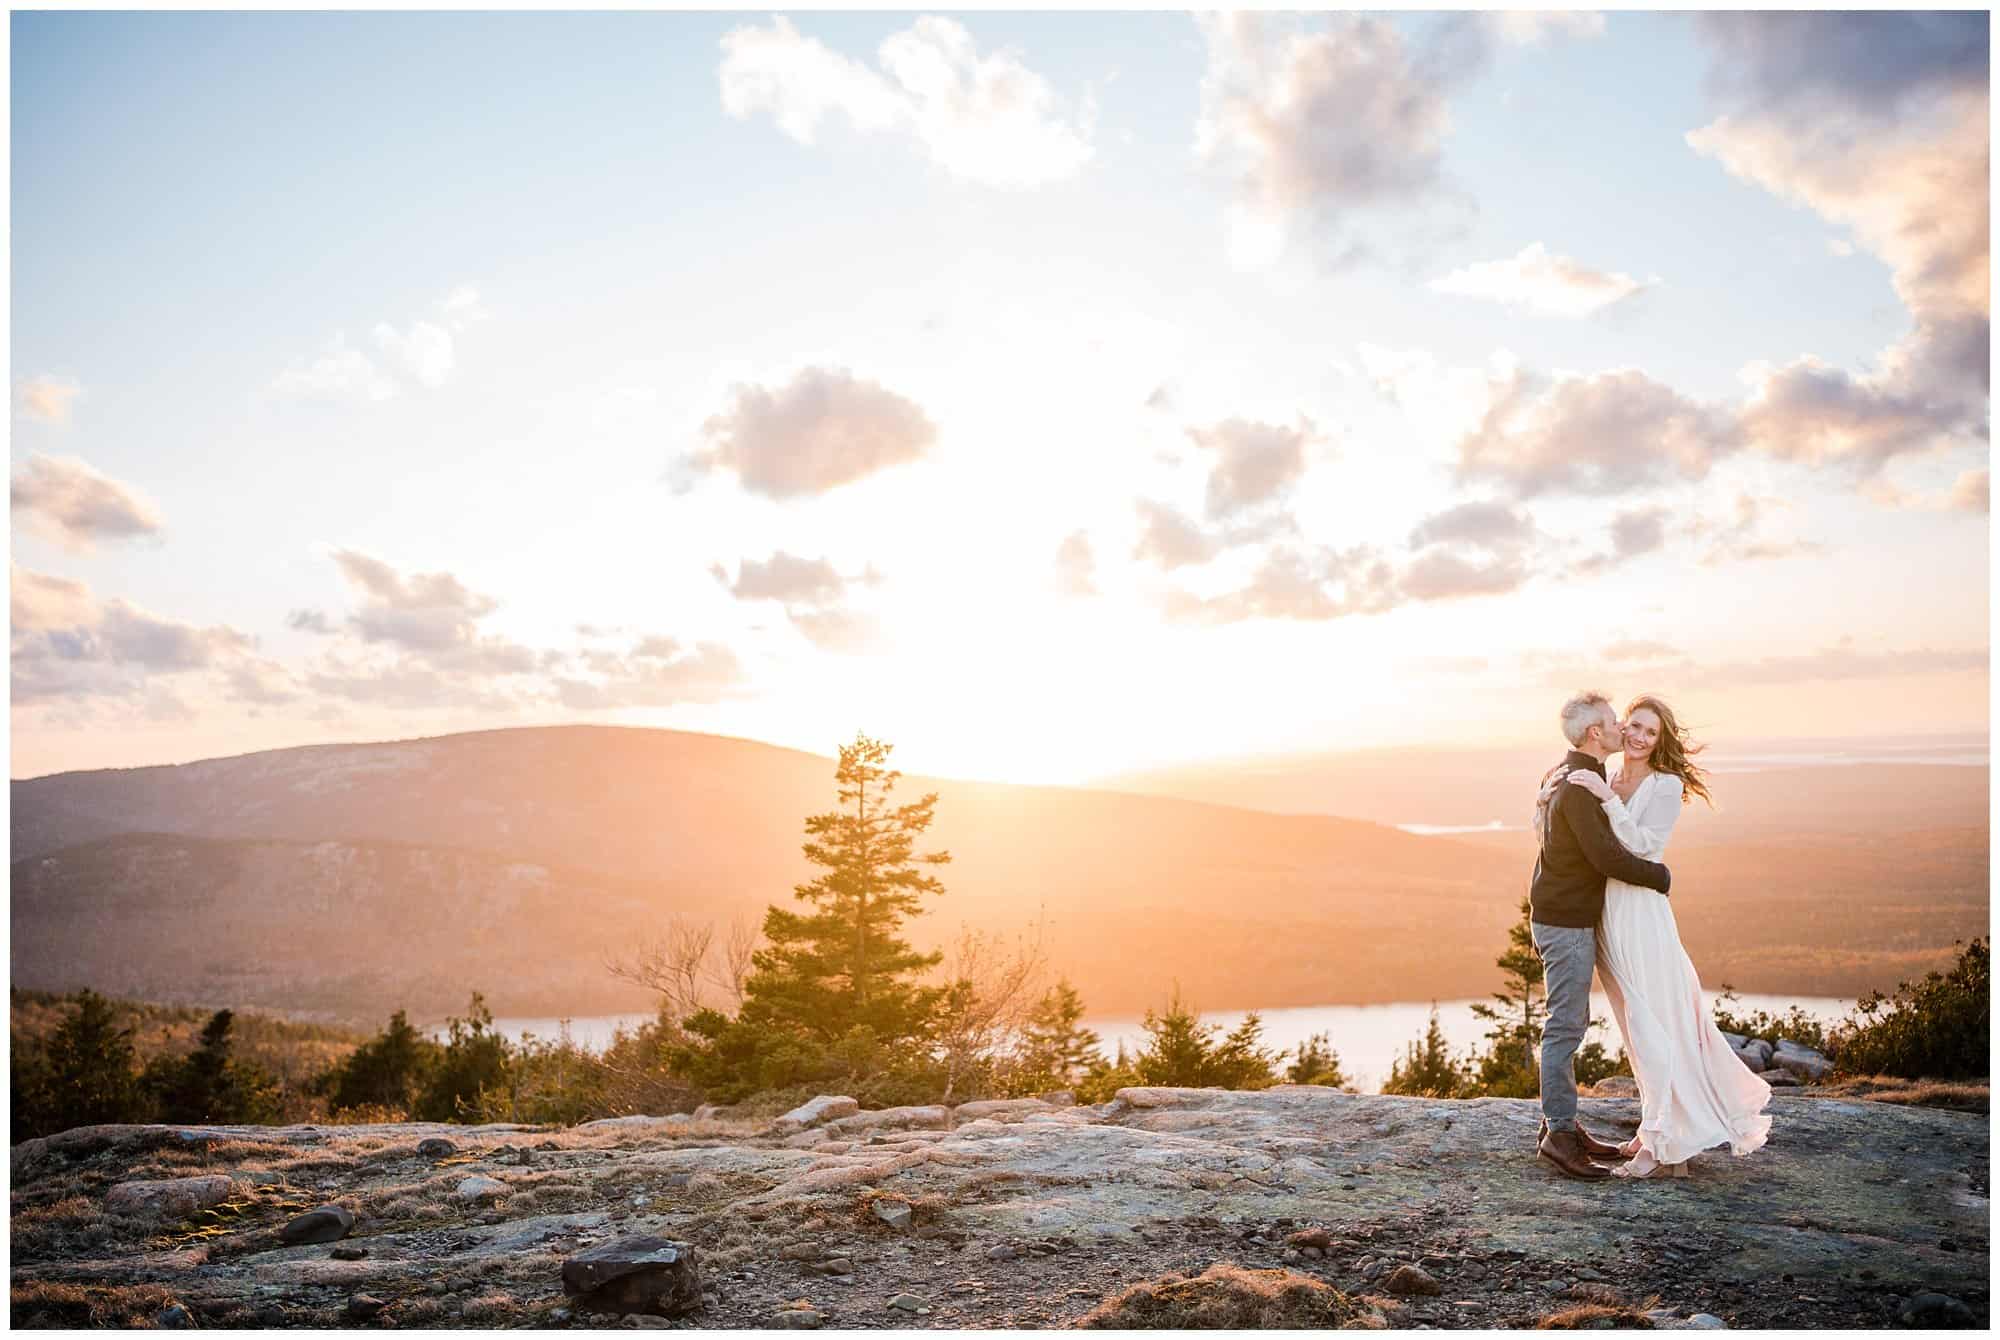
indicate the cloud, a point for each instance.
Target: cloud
{"x":423,"y":352}
{"x":813,"y":593}
{"x":1444,"y":575}
{"x":785,"y":578}
{"x":310,"y":621}
{"x":1537,"y":281}
{"x":1973,"y":492}
{"x":1254,"y":463}
{"x":1294,"y":583}
{"x":1879,"y":123}
{"x":1488,"y":524}
{"x":427,"y":612}
{"x":1320,"y":126}
{"x":338,"y":374}
{"x":1639,"y":532}
{"x":66,"y":643}
{"x":260,"y":683}
{"x":1169,"y":539}
{"x":823,"y":429}
{"x":985,"y":119}
{"x":1610,"y":433}
{"x":659,"y":672}
{"x":1076,"y":565}
{"x":47,"y":398}
{"x":70,"y":503}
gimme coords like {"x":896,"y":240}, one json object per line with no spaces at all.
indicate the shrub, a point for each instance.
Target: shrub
{"x":1794,"y":1023}
{"x":1936,"y":1028}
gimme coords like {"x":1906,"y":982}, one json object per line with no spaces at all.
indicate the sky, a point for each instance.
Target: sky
{"x":1050,"y":395}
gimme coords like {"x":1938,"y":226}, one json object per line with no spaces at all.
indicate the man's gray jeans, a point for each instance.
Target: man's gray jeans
{"x":1568,"y":954}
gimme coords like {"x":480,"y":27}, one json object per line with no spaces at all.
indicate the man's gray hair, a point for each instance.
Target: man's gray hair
{"x":1581,"y":713}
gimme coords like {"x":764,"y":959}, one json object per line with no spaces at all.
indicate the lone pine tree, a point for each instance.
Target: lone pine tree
{"x":844,"y":965}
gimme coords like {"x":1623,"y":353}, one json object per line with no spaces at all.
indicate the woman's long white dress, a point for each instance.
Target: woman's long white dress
{"x":1694,"y":1093}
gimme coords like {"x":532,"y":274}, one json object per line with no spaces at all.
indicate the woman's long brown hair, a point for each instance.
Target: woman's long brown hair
{"x":1674,"y":751}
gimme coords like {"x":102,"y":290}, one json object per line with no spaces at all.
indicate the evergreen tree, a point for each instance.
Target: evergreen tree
{"x":89,"y":1076}
{"x":1427,"y":1069}
{"x":1057,"y":1050}
{"x":1182,"y":1051}
{"x":473,"y":1068}
{"x":845,"y":965}
{"x":388,"y":1071}
{"x":211,"y":1086}
{"x":1317,"y":1063}
{"x":1511,"y":1064}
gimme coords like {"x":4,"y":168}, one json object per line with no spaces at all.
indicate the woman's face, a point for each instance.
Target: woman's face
{"x":1642,"y":732}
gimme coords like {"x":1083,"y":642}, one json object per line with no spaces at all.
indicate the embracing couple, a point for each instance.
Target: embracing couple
{"x":1599,"y":900}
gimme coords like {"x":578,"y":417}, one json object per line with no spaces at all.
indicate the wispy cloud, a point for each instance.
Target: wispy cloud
{"x":68,"y":502}
{"x":46,"y":398}
{"x":987,"y":119}
{"x":1538,"y":281}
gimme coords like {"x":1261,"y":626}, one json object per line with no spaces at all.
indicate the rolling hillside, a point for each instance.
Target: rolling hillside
{"x":352,"y":879}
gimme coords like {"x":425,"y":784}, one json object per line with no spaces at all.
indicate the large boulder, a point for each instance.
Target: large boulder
{"x":1800,"y":1060}
{"x":174,"y":1198}
{"x":637,"y":1274}
{"x":826,"y":1107}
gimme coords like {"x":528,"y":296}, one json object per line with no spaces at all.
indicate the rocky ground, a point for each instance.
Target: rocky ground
{"x":1020,"y":1214}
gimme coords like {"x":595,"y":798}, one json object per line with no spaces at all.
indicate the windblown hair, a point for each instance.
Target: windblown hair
{"x":1674,"y":751}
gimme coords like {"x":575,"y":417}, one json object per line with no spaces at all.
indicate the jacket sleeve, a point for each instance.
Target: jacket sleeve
{"x":1602,"y":850}
{"x":1646,"y":833}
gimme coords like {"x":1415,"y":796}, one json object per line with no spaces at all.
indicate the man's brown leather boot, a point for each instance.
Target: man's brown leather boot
{"x":1592,"y":1146}
{"x":1563,"y":1151}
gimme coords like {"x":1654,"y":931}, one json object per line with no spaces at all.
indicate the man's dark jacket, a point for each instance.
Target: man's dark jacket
{"x":1579,"y":852}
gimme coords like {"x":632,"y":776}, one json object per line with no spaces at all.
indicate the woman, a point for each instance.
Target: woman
{"x":1694,"y":1093}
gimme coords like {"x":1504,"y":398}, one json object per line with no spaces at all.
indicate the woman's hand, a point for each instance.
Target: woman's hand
{"x":1592,"y":783}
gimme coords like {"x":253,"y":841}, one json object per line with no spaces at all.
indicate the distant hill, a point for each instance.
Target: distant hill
{"x":351,"y":879}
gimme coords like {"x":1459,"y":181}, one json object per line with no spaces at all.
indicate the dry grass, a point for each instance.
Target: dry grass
{"x":44,"y":1304}
{"x":69,"y":1227}
{"x":924,"y":1210}
{"x":1595,"y":1317}
{"x":490,"y":1309}
{"x":1227,"y":1297}
{"x":1951,"y":1095}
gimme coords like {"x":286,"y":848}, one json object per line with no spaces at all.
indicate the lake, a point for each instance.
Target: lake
{"x":1368,"y":1038}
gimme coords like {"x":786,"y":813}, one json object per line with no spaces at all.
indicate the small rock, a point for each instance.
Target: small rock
{"x":362,"y":1306}
{"x":436,"y":1147}
{"x":909,"y":1302}
{"x":1707,"y":1321}
{"x":1002,"y":1252}
{"x":560,"y":1316}
{"x":838,"y":1265}
{"x":796,"y":1319}
{"x":1290,"y":1256}
{"x":524,"y":1156}
{"x":479,"y":1188}
{"x":1311,"y":1237}
{"x":349,"y":1252}
{"x":174,"y":1317}
{"x":1936,"y":1310}
{"x":801,"y":1251}
{"x":1617,"y":1086}
{"x":1412,"y":1281}
{"x":328,"y":1223}
{"x":1781,"y":1079}
{"x":895,"y":1213}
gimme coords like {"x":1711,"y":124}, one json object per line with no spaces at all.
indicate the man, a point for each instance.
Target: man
{"x":1566,"y":901}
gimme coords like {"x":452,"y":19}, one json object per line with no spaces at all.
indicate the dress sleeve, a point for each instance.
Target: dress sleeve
{"x":1646,"y":833}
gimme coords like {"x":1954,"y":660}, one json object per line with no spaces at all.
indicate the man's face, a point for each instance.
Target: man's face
{"x":1610,"y":738}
